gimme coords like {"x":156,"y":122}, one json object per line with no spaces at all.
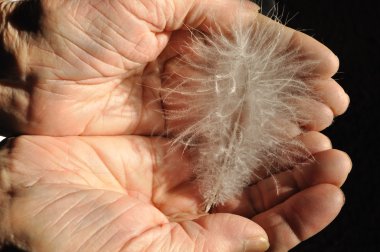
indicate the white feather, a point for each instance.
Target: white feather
{"x":236,"y":107}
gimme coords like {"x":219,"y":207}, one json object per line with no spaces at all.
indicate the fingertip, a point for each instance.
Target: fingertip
{"x":331,"y":167}
{"x":331,"y":62}
{"x":335,"y":157}
{"x":330,"y":198}
{"x":333,"y":95}
{"x":315,"y":141}
{"x":345,"y":98}
{"x":327,"y":63}
{"x":344,"y":160}
{"x":321,"y":116}
{"x":340,"y":198}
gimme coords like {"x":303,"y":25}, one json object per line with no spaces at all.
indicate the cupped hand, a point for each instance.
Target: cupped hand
{"x":90,"y":68}
{"x":125,"y":193}
{"x":83,"y":68}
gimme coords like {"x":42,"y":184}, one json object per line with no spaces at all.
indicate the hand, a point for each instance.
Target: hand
{"x":125,"y":193}
{"x":107,"y":193}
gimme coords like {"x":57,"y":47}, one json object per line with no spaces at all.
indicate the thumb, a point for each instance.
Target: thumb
{"x":216,"y":232}
{"x":227,"y":232}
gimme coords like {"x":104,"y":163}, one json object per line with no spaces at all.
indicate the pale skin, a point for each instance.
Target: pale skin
{"x":87,"y":175}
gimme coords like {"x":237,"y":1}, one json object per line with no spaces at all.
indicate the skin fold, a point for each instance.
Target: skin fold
{"x":92,"y":172}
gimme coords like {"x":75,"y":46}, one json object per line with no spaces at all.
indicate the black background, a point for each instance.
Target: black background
{"x":352,"y":31}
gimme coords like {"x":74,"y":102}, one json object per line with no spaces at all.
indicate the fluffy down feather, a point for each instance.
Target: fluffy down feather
{"x":236,"y":104}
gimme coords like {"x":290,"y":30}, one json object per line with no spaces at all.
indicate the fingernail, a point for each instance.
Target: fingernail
{"x":256,"y":244}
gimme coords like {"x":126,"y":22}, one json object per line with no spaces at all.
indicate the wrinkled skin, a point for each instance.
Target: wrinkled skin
{"x":87,"y":177}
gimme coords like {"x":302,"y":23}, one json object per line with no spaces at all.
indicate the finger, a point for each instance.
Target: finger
{"x":315,"y":142}
{"x":301,"y":216}
{"x":216,"y":232}
{"x":308,"y":49}
{"x":228,"y":232}
{"x":330,"y":167}
{"x":313,"y":115}
{"x":333,"y":95}
{"x":273,"y":190}
{"x":320,"y":116}
{"x":311,"y":49}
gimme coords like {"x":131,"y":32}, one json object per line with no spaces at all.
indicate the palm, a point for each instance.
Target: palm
{"x":89,"y":65}
{"x":86,"y":192}
{"x":108,"y":191}
{"x":87,"y":73}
